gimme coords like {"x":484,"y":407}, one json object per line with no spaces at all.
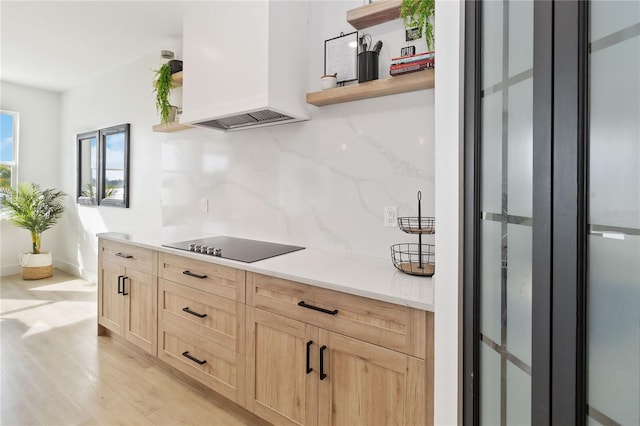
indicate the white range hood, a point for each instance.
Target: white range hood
{"x":245,"y":64}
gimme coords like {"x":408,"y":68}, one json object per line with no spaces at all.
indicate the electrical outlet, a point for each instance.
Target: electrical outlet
{"x":204,"y":205}
{"x":390,"y":216}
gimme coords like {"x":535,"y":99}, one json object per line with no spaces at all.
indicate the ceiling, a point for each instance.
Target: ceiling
{"x":56,"y":45}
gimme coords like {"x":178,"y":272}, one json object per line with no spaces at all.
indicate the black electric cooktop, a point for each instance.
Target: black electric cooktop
{"x":232,"y":248}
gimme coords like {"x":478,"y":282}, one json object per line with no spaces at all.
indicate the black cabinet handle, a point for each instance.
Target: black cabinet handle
{"x":124,"y":289}
{"x":315,"y":308}
{"x":322,"y":375}
{"x":309,"y":369}
{"x":126,"y":256}
{"x":193,"y":274}
{"x":192,"y":358}
{"x":189,"y":311}
{"x":120,"y":277}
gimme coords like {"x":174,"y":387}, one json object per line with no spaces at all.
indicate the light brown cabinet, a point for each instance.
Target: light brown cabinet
{"x":367,"y":384}
{"x":308,"y":363}
{"x":291,"y":353}
{"x":279,"y":350}
{"x":201,"y":323}
{"x":127,"y":293}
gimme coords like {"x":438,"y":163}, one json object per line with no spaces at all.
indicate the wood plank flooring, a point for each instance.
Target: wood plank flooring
{"x":55,"y":370}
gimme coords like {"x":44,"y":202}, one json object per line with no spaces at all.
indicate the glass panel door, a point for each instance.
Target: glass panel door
{"x":506,"y":176}
{"x":613,"y":275}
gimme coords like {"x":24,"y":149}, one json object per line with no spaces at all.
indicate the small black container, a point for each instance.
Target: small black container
{"x":368,"y":66}
{"x":175,"y":65}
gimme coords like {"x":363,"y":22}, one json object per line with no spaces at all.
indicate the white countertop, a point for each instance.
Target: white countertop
{"x":365,"y":276}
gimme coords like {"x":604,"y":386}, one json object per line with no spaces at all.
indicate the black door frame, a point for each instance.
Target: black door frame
{"x":559,"y":213}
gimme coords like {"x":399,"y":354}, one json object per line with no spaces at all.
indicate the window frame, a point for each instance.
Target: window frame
{"x":101,"y":196}
{"x":14,"y":163}
{"x":83,"y":199}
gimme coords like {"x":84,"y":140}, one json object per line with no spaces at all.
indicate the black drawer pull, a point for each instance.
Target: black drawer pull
{"x":192,"y":358}
{"x":120,"y":277}
{"x":309,"y":369}
{"x":189,"y":311}
{"x":124,"y":291}
{"x":193,"y":274}
{"x":126,"y":256}
{"x":322,"y":375}
{"x":315,"y":308}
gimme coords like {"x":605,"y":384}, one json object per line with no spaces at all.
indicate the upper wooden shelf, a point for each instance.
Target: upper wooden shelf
{"x":418,"y":80}
{"x":176,"y":78}
{"x":173,"y":126}
{"x":374,"y":13}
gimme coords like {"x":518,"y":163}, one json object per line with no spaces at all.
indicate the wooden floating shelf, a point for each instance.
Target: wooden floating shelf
{"x":418,"y":80}
{"x":374,"y":13}
{"x":174,"y":126}
{"x":175,"y":77}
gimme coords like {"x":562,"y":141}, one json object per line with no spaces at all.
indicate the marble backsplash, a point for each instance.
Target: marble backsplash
{"x":322,"y":183}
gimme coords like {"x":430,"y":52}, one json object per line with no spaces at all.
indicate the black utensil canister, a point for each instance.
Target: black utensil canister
{"x":368,"y":66}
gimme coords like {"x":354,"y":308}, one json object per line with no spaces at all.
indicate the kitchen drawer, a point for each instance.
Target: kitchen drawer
{"x":395,"y":327}
{"x":208,"y":277}
{"x":129,"y":256}
{"x":212,"y":317}
{"x":213,"y":365}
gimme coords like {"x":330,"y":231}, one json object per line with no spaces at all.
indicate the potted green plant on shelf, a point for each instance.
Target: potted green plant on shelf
{"x":163,"y":86}
{"x":36,"y":210}
{"x":418,"y":14}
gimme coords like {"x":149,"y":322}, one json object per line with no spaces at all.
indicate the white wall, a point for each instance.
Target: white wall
{"x":38,"y":156}
{"x":122,"y":95}
{"x":322,"y":183}
{"x":449,"y":36}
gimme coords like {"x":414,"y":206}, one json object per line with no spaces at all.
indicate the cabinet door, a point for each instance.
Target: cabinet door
{"x":279,"y":387}
{"x":110,"y":302}
{"x":141,"y":301}
{"x":369,"y":385}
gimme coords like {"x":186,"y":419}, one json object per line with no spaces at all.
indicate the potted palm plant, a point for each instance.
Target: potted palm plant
{"x":36,"y":210}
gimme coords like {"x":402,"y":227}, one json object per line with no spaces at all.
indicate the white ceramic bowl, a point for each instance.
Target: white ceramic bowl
{"x":328,"y":82}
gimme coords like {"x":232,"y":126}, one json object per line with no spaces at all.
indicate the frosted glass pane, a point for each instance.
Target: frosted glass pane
{"x":614,"y":165}
{"x":490,"y":281}
{"x":518,"y":396}
{"x":519,"y":291}
{"x":611,"y":16}
{"x":491,"y":43}
{"x":614,"y":328}
{"x":489,"y":386}
{"x":520,"y":36}
{"x":491,"y":169}
{"x":520,"y":186}
{"x":593,"y":422}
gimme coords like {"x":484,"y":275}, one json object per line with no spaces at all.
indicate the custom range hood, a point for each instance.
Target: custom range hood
{"x":245,"y":64}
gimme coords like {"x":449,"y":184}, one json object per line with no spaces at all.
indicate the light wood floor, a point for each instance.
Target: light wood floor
{"x":55,"y":370}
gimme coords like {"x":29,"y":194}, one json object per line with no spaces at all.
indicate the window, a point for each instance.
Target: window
{"x":8,"y":148}
{"x":103,"y":167}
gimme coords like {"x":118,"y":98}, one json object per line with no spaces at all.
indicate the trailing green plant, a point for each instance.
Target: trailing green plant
{"x":418,"y":14}
{"x":164,"y":84}
{"x":32,"y":208}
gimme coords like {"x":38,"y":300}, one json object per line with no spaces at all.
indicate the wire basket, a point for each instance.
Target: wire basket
{"x":417,"y":225}
{"x":414,"y":259}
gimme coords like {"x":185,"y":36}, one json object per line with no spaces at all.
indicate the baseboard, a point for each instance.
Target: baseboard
{"x":62,"y":265}
{"x":10,"y":270}
{"x":76,"y":270}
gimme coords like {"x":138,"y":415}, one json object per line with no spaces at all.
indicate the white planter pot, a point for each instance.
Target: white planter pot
{"x":36,"y":266}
